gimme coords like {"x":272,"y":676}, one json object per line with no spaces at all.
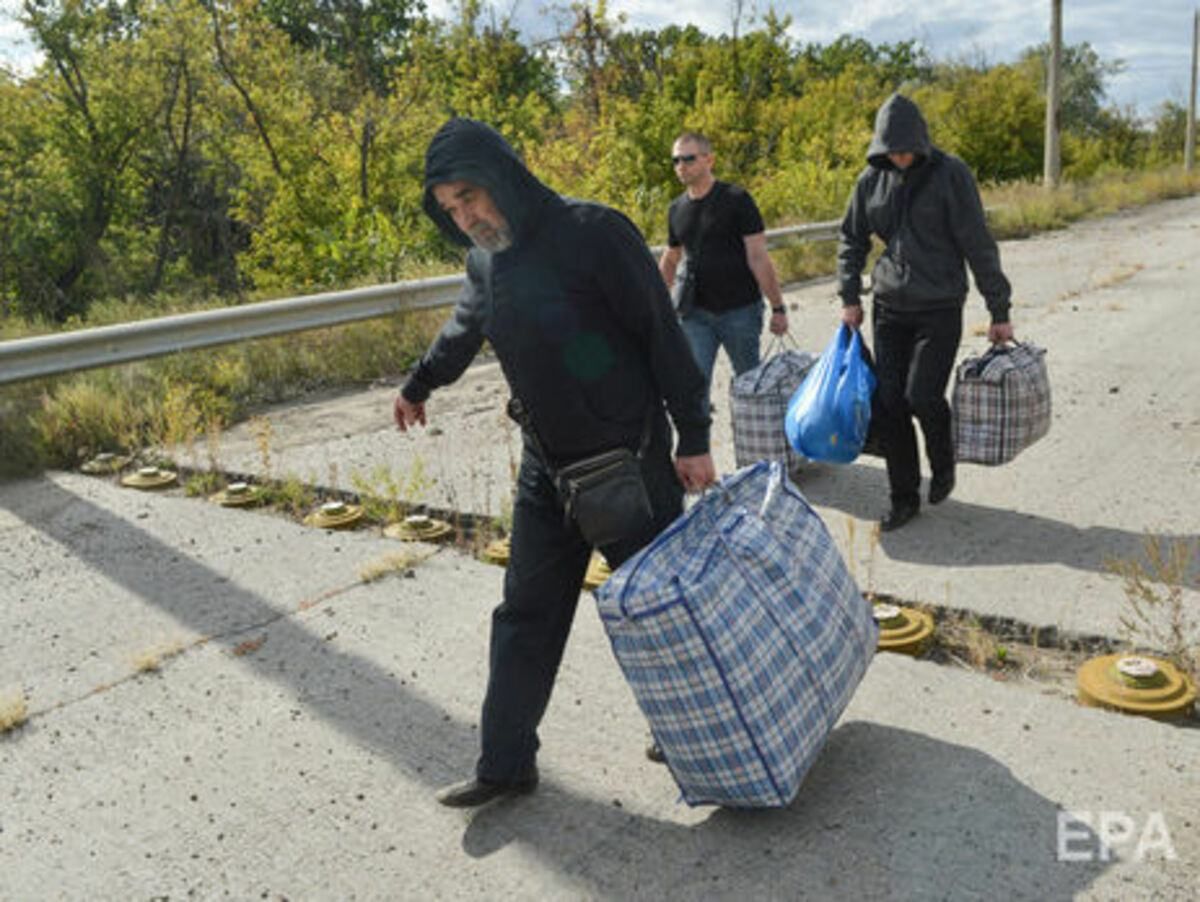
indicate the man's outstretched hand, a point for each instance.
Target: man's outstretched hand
{"x":407,"y":413}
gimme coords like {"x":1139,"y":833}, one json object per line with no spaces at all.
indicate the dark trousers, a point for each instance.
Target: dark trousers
{"x":547,"y":562}
{"x":914,"y":357}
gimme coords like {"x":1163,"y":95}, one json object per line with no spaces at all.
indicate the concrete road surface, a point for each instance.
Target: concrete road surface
{"x":221,"y":703}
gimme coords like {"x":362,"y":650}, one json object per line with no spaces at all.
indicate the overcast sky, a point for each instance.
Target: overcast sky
{"x":1153,"y":37}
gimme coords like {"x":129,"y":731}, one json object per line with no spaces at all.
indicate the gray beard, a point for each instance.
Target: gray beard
{"x":495,"y":240}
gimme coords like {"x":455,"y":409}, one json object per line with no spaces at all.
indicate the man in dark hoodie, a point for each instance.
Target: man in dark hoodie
{"x":569,"y":297}
{"x":924,"y":205}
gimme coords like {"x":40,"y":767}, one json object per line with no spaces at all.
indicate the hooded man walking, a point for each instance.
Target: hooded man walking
{"x":569,"y":297}
{"x":924,"y":204}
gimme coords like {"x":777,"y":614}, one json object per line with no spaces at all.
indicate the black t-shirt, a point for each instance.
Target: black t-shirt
{"x":712,"y":231}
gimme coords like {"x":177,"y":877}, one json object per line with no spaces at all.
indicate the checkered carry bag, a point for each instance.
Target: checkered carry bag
{"x":743,"y":636}
{"x":758,"y":399}
{"x":1001,"y":403}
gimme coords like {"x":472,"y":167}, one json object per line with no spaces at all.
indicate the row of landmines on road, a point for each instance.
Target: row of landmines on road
{"x":1135,"y":684}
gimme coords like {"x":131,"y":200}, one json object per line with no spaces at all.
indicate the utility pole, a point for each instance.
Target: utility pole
{"x":1189,"y":145}
{"x":1052,"y":160}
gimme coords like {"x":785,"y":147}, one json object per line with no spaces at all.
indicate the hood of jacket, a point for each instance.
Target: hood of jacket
{"x":472,"y":151}
{"x":899,"y":128}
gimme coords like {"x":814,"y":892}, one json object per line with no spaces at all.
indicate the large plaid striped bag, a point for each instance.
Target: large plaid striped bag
{"x":1000,"y":403}
{"x":743,"y":637}
{"x":758,"y":401}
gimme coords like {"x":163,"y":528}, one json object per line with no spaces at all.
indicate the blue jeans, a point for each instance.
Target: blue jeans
{"x":737,"y":330}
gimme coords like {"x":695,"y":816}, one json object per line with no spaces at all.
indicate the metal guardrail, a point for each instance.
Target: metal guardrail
{"x":47,"y":355}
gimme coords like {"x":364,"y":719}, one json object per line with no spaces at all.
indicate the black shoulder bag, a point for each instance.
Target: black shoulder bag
{"x":604,"y":495}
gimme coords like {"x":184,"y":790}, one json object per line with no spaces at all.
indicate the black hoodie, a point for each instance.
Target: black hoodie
{"x":930,"y":218}
{"x":576,"y":309}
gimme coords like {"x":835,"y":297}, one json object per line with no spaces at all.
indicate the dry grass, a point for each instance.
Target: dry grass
{"x":1156,"y":615}
{"x":249,"y":646}
{"x":151,"y":660}
{"x":394,"y":562}
{"x":169,"y":401}
{"x":13,"y":710}
{"x":1020,"y":209}
{"x":1119,"y":276}
{"x":966,"y":638}
{"x":166,"y":402}
{"x":873,"y":534}
{"x":388,"y":494}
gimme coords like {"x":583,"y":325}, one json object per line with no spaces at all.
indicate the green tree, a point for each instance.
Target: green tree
{"x":103,"y":101}
{"x":994,"y":119}
{"x":1082,"y":90}
{"x":368,"y":39}
{"x":1169,"y":133}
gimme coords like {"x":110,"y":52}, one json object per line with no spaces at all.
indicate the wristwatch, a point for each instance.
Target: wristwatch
{"x":780,"y":309}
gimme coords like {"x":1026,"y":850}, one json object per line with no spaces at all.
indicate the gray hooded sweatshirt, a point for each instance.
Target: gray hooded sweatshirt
{"x":930,"y":219}
{"x":576,"y":310}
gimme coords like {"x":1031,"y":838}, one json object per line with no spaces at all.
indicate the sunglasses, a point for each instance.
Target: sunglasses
{"x":683,"y":158}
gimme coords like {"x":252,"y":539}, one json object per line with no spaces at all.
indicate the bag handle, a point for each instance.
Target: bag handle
{"x":781,"y":343}
{"x":998,"y":349}
{"x":517,"y":411}
{"x":777,"y":345}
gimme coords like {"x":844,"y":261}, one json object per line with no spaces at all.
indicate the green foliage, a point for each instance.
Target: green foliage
{"x":1081,"y":87}
{"x":168,"y":402}
{"x":367,"y":39}
{"x":291,"y":495}
{"x":386,"y":494}
{"x":232,"y":148}
{"x":994,"y":120}
{"x":175,"y":154}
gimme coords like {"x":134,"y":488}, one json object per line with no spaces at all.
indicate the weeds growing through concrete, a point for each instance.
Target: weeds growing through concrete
{"x":201,"y":484}
{"x":868,"y":589}
{"x":150,"y":660}
{"x":291,"y":495}
{"x":260,"y":428}
{"x":13,"y":710}
{"x":386,"y":494}
{"x":395,"y":562}
{"x":1156,"y":615}
{"x":967,"y":637}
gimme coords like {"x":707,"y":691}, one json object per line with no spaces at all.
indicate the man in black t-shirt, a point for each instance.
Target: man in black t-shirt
{"x":715,"y":227}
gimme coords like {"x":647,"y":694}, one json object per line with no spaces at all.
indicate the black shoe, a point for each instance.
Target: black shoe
{"x":898,"y":516}
{"x":655,"y":753}
{"x":475,"y":792}
{"x":940,"y":486}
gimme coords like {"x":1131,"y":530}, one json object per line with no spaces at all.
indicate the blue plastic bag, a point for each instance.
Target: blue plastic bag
{"x":828,"y":416}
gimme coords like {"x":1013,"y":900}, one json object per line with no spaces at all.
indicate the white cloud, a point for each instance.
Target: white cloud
{"x":16,"y":53}
{"x":1152,"y":37}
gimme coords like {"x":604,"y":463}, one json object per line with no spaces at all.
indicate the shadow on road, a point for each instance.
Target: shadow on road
{"x":963,"y":534}
{"x":885,"y":813}
{"x":353,"y":694}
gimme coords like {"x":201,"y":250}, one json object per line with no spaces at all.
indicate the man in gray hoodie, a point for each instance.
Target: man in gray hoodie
{"x":924,"y":205}
{"x":569,"y":297}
